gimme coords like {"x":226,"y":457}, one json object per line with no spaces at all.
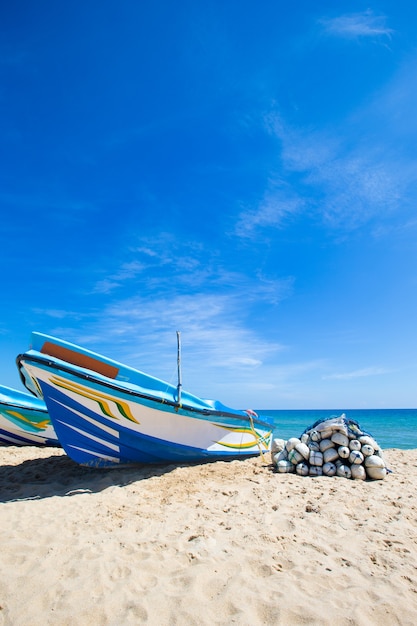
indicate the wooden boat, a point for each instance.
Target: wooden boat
{"x":107,"y":414}
{"x":24,"y":420}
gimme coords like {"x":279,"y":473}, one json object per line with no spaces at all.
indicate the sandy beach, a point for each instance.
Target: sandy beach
{"x":220,"y":543}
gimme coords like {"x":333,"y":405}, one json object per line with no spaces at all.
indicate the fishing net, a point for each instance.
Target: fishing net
{"x":336,"y":446}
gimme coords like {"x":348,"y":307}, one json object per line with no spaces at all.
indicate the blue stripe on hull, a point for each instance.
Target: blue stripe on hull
{"x":95,"y":441}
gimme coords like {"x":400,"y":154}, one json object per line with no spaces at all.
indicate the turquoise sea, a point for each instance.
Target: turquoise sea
{"x":392,"y":428}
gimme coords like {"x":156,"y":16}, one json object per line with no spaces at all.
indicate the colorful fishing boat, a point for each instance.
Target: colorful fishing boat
{"x":24,"y":420}
{"x":108,"y":414}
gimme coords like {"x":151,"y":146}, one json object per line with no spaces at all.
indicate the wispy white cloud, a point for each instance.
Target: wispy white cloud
{"x":168,"y":265}
{"x":275,"y":209}
{"x":321,"y":171}
{"x":357,"y":188}
{"x":157,"y":259}
{"x":217,"y":344}
{"x":346,"y":186}
{"x":355,"y":25}
{"x":407,"y":228}
{"x":353,"y":182}
{"x":220,"y":341}
{"x":359,"y":172}
{"x":274,"y":383}
{"x":361,"y":373}
{"x":126,"y":272}
{"x":62,"y":314}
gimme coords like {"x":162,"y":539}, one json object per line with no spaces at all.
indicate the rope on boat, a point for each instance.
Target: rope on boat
{"x":250,"y":415}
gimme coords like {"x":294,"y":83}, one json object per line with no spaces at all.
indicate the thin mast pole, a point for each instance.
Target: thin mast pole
{"x":179,"y":365}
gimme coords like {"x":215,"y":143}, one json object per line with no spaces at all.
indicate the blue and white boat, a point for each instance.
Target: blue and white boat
{"x":24,"y":420}
{"x":107,"y":414}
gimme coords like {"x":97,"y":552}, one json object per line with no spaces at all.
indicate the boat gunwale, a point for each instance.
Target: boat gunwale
{"x":53,"y":364}
{"x":23,"y":407}
{"x":14,"y":403}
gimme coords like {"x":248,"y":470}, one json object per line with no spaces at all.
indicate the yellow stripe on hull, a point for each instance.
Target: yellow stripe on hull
{"x":101,"y":398}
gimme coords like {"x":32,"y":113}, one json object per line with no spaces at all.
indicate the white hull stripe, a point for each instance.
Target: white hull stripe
{"x":107,"y":429}
{"x":97,"y":454}
{"x":102,"y":442}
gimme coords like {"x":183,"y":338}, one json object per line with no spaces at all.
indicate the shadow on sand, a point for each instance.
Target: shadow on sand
{"x":60,"y":476}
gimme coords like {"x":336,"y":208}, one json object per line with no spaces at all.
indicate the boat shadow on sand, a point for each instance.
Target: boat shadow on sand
{"x":40,"y":478}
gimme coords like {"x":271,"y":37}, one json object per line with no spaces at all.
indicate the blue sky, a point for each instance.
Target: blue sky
{"x":243,"y":172}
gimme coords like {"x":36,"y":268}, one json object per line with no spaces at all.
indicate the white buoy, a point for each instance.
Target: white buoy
{"x":302,"y":469}
{"x":315,"y":435}
{"x":280,"y":456}
{"x":344,"y":471}
{"x":354,"y":444}
{"x":340,"y":439}
{"x":367,"y":439}
{"x":303,"y":449}
{"x":343,"y":452}
{"x":291,"y":443}
{"x":376,"y":473}
{"x":356,"y":457}
{"x":325,"y":444}
{"x":277,"y":445}
{"x":316,"y":470}
{"x":330,"y":455}
{"x":329,"y":469}
{"x":285,"y":467}
{"x":316,"y":458}
{"x":375,"y":467}
{"x":295,"y":457}
{"x":304,"y":438}
{"x":314,"y":446}
{"x":374,"y":461}
{"x":358,"y":472}
{"x":367,"y":449}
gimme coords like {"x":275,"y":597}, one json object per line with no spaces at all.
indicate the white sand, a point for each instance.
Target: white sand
{"x":221,"y":543}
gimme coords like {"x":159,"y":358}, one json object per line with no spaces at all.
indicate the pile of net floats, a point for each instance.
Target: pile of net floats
{"x":332,"y":447}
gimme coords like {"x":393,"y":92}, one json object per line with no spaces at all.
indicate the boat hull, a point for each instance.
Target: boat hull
{"x":24,"y":420}
{"x":102,"y":422}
